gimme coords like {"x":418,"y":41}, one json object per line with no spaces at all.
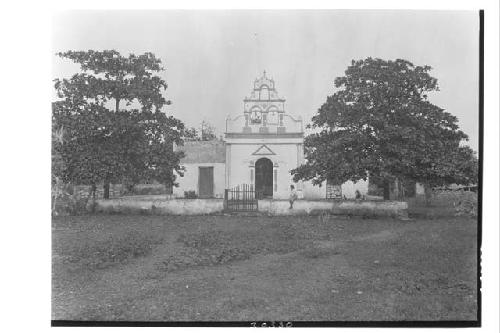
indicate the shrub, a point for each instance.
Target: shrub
{"x":217,"y":248}
{"x":73,"y":204}
{"x":144,"y":189}
{"x":190,"y":195}
{"x":81,"y":206}
{"x":466,"y":204}
{"x":112,"y":250}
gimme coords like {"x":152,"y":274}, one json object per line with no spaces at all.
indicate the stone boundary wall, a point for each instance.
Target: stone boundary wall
{"x":161,"y":206}
{"x":118,"y":190}
{"x":395,"y":209}
{"x":164,"y":206}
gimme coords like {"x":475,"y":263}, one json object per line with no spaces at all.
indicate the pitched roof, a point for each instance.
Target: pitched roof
{"x":203,"y":152}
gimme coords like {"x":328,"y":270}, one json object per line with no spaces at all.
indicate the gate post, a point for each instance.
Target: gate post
{"x":225,"y":198}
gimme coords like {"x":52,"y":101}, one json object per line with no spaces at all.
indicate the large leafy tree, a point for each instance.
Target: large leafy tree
{"x":109,"y":76}
{"x":105,"y":142}
{"x":379,"y":121}
{"x":207,"y":131}
{"x":191,"y":134}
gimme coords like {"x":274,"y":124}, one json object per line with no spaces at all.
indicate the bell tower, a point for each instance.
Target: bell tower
{"x":264,"y":108}
{"x":263,"y":143}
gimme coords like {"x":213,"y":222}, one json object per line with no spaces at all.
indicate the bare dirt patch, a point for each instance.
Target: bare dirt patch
{"x":254,"y":268}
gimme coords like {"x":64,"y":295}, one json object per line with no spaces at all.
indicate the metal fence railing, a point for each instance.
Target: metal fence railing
{"x":241,"y":198}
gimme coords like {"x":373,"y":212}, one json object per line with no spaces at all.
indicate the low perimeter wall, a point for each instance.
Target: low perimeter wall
{"x":161,"y":206}
{"x":395,"y":209}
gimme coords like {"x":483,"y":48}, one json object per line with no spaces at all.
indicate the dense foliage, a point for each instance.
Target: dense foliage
{"x":101,"y":144}
{"x":206,"y":133}
{"x":380,"y":122}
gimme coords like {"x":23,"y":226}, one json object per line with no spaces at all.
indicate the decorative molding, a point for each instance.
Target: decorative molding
{"x":263,"y":150}
{"x":275,"y":178}
{"x":264,"y":135}
{"x":228,"y":165}
{"x":261,"y":143}
{"x":279,"y":100}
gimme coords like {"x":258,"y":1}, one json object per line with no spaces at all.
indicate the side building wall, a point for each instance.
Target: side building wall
{"x":190,"y":181}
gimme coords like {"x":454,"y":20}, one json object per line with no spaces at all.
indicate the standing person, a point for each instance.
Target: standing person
{"x":358,"y":195}
{"x":293,"y":196}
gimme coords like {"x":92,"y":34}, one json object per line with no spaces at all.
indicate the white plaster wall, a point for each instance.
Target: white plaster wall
{"x":349,"y":188}
{"x":311,"y":191}
{"x":241,"y":159}
{"x":190,"y":180}
{"x":397,"y":209}
{"x":163,"y":206}
{"x":419,"y":189}
{"x":288,"y":156}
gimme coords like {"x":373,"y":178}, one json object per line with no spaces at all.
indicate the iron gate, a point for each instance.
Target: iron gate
{"x":241,"y":198}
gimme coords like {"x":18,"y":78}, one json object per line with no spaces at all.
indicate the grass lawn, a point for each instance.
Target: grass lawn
{"x":206,"y":268}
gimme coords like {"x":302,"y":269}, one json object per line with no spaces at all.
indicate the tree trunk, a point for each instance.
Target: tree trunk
{"x":55,"y":194}
{"x":397,"y":193}
{"x":169,"y":185}
{"x":91,"y":193}
{"x":106,"y":182}
{"x":402,"y":190}
{"x":129,"y":187}
{"x":106,"y":190}
{"x":428,"y":194}
{"x":387,"y":190}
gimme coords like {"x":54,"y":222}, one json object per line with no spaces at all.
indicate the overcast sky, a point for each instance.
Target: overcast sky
{"x":212,"y":57}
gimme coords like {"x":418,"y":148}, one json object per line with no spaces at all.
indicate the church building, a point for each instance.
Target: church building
{"x":260,"y":147}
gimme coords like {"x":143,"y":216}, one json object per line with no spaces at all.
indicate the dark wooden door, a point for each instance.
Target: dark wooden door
{"x":206,"y":182}
{"x":264,"y":178}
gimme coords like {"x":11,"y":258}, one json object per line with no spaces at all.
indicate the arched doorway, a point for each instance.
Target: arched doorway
{"x":264,"y":178}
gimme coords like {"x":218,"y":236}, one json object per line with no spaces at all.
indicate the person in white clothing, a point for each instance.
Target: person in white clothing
{"x":293,"y":196}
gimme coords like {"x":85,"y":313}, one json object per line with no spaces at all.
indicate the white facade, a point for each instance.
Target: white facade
{"x":242,"y":155}
{"x":266,"y":132}
{"x":261,"y":146}
{"x":264,"y":143}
